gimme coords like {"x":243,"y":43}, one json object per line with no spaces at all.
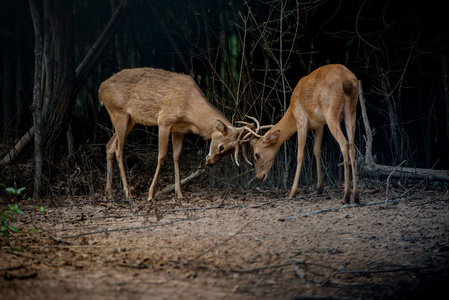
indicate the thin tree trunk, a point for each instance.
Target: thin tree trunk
{"x":60,"y":75}
{"x":36,"y":106}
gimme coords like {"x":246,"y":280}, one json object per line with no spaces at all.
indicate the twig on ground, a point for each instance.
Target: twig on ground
{"x":137,"y":266}
{"x":257,"y":269}
{"x":219,"y":244}
{"x":60,"y":240}
{"x":297,"y":270}
{"x":388,"y":181}
{"x":128,"y":229}
{"x":431,"y":201}
{"x":276,"y":200}
{"x":335,"y":209}
{"x":206,"y":208}
{"x":221,"y":206}
{"x":9,"y":276}
{"x":384,"y":271}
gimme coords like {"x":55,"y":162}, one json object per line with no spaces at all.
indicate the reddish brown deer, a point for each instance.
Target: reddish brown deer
{"x":172,"y":101}
{"x":326,"y":96}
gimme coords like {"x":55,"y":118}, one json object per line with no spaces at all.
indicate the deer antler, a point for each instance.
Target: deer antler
{"x":255,"y":132}
{"x":251,"y":131}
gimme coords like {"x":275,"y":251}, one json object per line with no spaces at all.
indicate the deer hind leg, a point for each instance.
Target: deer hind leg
{"x":302,"y":135}
{"x":177,"y":147}
{"x":317,"y":153}
{"x":334,"y":127}
{"x":163,"y":137}
{"x":110,"y":151}
{"x":350,"y":131}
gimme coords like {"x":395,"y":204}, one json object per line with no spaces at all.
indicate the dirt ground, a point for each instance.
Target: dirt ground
{"x":234,"y":244}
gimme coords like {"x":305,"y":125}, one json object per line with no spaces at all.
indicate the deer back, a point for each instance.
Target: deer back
{"x":158,"y":97}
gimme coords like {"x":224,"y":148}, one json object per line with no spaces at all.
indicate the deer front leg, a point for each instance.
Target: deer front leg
{"x":163,"y":137}
{"x":177,"y":147}
{"x":302,"y":135}
{"x":123,"y":126}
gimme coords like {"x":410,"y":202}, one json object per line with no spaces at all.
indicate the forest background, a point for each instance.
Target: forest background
{"x":246,"y":56}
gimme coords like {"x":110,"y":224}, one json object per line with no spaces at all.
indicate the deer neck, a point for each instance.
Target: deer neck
{"x":286,"y":126}
{"x":204,"y":122}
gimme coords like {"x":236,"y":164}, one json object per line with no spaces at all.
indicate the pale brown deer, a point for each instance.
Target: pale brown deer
{"x":328,"y":95}
{"x":174,"y":103}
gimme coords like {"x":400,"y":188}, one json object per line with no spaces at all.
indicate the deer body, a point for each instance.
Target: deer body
{"x":326,"y":96}
{"x":171,"y":101}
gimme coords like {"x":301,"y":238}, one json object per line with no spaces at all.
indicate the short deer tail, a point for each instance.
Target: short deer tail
{"x":347,"y":87}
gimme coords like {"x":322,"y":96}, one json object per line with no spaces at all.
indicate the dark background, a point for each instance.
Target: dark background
{"x":247,"y":57}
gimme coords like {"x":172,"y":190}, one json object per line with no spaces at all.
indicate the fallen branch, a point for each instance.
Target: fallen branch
{"x":18,"y":147}
{"x":388,"y":182}
{"x":171,"y":188}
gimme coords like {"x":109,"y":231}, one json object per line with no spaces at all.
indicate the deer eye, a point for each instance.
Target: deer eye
{"x":221,"y":148}
{"x":257,"y":156}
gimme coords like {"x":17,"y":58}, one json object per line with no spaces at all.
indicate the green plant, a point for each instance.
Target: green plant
{"x":13,"y":191}
{"x":7,"y":217}
{"x":41,"y":209}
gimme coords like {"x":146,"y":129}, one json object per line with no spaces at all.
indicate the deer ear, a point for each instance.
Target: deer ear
{"x":273,"y":137}
{"x":220,"y":126}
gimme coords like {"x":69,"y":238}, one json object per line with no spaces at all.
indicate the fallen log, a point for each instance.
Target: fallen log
{"x":404,"y":172}
{"x":14,"y":152}
{"x":171,"y":188}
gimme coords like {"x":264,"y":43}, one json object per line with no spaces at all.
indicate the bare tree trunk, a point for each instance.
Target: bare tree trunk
{"x":36,"y":106}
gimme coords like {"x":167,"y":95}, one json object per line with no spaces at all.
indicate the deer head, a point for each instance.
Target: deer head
{"x":264,"y":153}
{"x":228,"y":140}
{"x":224,"y":142}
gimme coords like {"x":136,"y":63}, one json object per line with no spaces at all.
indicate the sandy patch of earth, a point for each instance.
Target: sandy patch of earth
{"x":232,"y":245}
